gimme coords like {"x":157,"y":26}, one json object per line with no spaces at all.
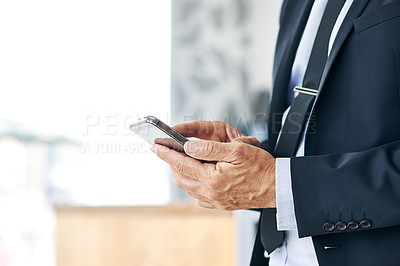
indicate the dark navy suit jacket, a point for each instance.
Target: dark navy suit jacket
{"x":351,"y":170}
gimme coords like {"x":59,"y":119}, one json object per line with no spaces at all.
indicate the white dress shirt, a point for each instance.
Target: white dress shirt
{"x":295,"y":250}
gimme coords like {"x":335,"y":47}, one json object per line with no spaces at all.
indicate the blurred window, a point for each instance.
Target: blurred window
{"x":73,"y":75}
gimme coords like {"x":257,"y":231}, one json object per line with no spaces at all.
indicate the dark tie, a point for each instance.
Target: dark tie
{"x":297,"y":117}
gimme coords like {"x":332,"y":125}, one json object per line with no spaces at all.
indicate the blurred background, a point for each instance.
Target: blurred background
{"x":76,"y":186}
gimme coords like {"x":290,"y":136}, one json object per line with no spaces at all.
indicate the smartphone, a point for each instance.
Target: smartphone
{"x":154,"y":131}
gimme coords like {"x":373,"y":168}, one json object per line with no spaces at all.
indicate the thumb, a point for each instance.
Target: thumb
{"x":210,"y":150}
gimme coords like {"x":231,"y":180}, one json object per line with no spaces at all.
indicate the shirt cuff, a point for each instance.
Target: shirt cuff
{"x":285,"y":218}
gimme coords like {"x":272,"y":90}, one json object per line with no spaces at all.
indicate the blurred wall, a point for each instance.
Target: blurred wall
{"x":222,"y":54}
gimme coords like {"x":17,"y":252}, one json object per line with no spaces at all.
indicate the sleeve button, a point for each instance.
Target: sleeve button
{"x":352,"y":225}
{"x":328,"y":226}
{"x":364,"y":224}
{"x":340,"y":226}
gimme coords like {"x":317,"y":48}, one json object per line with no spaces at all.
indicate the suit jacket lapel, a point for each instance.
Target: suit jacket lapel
{"x":354,"y":12}
{"x":291,"y":39}
{"x":284,"y":56}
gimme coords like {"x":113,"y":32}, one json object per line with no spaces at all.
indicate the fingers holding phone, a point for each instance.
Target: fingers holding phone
{"x":209,"y":130}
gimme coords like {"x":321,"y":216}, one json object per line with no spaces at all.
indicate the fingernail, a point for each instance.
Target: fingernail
{"x":191,"y":146}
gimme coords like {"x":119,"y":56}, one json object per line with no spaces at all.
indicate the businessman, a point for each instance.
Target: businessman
{"x":327,"y":181}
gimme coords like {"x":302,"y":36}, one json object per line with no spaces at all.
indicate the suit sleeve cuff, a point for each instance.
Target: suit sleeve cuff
{"x":286,"y":219}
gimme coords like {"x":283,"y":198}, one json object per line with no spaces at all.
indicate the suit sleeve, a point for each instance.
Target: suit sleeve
{"x":347,"y":187}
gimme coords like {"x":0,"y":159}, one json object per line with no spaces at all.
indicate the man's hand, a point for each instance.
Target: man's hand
{"x":242,"y":178}
{"x":214,"y":130}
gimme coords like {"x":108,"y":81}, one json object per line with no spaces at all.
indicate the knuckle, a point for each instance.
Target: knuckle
{"x":237,"y":150}
{"x":225,"y":208}
{"x":215,"y":184}
{"x":214,"y":176}
{"x":208,"y":149}
{"x":214,"y":196}
{"x":179,"y":167}
{"x":255,"y":141}
{"x":185,"y":169}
